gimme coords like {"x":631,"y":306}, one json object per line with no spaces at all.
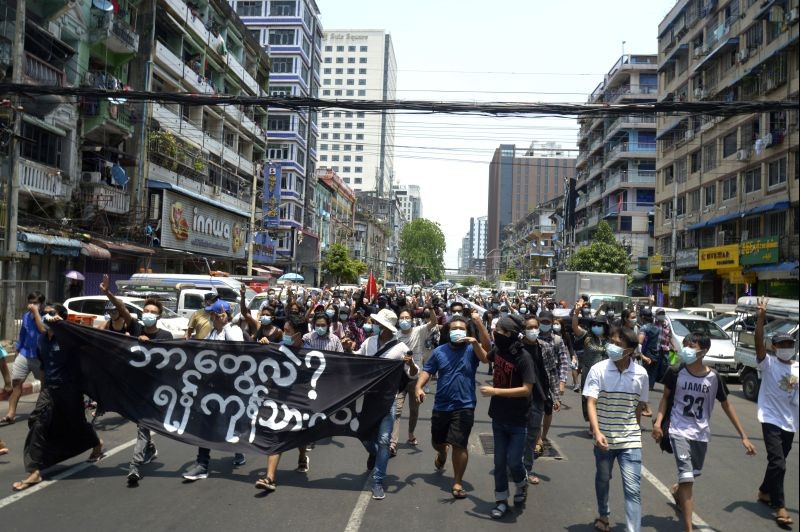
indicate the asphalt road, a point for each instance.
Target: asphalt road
{"x":331,"y":496}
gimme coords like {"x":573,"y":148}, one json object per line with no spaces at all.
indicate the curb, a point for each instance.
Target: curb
{"x":28,"y":388}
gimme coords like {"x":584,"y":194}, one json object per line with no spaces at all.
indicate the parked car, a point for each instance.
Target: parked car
{"x":95,"y":306}
{"x":720,"y":355}
{"x":710,"y":310}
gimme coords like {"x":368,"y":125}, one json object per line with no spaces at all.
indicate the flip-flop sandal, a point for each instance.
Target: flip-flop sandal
{"x":499,"y":511}
{"x":94,"y":458}
{"x":413,"y":441}
{"x":783,"y":520}
{"x":23,"y":485}
{"x":7,"y":421}
{"x":458,"y":493}
{"x":533,"y":479}
{"x":601,"y":525}
{"x":439,"y":465}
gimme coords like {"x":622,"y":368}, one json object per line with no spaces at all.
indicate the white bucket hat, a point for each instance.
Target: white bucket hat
{"x":386,"y":318}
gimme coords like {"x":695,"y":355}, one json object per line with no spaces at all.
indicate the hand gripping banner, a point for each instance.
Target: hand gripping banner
{"x":233,"y":396}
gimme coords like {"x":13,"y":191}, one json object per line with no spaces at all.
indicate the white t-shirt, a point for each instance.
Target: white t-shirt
{"x":778,"y":395}
{"x":229,"y":333}
{"x":415,"y":340}
{"x":369,"y":348}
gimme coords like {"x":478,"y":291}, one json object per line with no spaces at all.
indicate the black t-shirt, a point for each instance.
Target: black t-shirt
{"x":160,"y":334}
{"x":511,"y":370}
{"x":541,"y":392}
{"x":134,"y":328}
{"x":274,"y":337}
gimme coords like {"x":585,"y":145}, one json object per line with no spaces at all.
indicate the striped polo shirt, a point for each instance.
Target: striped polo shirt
{"x":618,"y":394}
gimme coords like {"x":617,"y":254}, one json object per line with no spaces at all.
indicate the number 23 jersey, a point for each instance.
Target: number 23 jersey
{"x":693,"y":397}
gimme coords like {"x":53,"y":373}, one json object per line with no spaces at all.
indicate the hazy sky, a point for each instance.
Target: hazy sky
{"x":508,"y":50}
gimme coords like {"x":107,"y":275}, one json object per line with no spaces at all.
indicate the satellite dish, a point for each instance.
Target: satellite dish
{"x":103,"y":5}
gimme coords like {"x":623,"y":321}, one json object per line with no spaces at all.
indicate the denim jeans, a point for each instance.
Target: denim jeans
{"x":535,"y":417}
{"x":509,"y":442}
{"x":630,"y":467}
{"x":380,"y":446}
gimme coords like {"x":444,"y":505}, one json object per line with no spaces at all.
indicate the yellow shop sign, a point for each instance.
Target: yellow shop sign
{"x":720,"y":257}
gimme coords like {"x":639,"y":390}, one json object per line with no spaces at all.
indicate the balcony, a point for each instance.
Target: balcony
{"x":629,"y":122}
{"x":116,"y":35}
{"x":107,"y":198}
{"x":41,"y":180}
{"x":624,"y":91}
{"x":593,"y":220}
{"x":636,"y":149}
{"x":172,"y":63}
{"x":102,"y":113}
{"x":239,"y":70}
{"x":195,"y":24}
{"x":631,"y":206}
{"x":596,"y":167}
{"x":40,"y":72}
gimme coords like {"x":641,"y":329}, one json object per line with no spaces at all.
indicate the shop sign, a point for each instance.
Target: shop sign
{"x":191,"y":225}
{"x":272,"y":195}
{"x":656,"y":264}
{"x":759,"y":251}
{"x":686,"y":258}
{"x":737,"y":277}
{"x":264,"y":249}
{"x":719,"y":258}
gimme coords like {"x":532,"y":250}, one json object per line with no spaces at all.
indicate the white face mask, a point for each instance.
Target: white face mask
{"x":785,"y":353}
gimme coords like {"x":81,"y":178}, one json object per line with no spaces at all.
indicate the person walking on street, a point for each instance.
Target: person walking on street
{"x":383,"y":344}
{"x":513,"y":380}
{"x":650,"y":341}
{"x":321,"y":337}
{"x":557,"y":364}
{"x":201,"y":323}
{"x":455,"y":364}
{"x":615,"y":390}
{"x":594,"y":343}
{"x":778,"y":400}
{"x":27,"y":361}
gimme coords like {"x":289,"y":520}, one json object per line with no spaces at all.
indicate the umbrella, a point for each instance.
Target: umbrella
{"x":294,"y":277}
{"x":372,"y":288}
{"x":72,"y":274}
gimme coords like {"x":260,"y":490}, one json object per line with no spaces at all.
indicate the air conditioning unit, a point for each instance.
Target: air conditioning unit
{"x":742,"y":155}
{"x":90,"y":177}
{"x":744,"y":53}
{"x":793,"y":15}
{"x":689,"y":134}
{"x":705,"y":49}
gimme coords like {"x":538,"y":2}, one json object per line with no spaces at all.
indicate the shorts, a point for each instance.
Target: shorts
{"x":689,"y":456}
{"x":452,"y":427}
{"x":23,"y":366}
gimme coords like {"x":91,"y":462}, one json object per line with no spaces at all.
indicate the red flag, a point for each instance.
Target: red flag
{"x":372,"y":287}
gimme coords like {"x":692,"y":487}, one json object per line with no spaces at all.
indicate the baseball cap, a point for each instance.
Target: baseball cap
{"x":210,"y":297}
{"x":219,"y":307}
{"x":782,"y":337}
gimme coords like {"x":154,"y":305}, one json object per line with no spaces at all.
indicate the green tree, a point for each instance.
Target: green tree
{"x":485,"y":284}
{"x":338,"y":264}
{"x":604,"y":254}
{"x":469,"y":281}
{"x":422,"y":247}
{"x":511,"y":274}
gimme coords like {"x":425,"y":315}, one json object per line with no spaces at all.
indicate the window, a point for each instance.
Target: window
{"x":323,"y":158}
{"x":335,"y":147}
{"x":710,"y":156}
{"x":326,"y":82}
{"x":329,"y":48}
{"x":337,"y":125}
{"x":282,"y":8}
{"x":256,"y":35}
{"x":336,"y":136}
{"x":729,"y":188}
{"x":625,"y":223}
{"x":729,"y":145}
{"x":337,"y":92}
{"x":357,"y":180}
{"x":681,"y":203}
{"x":359,"y":159}
{"x":753,"y":227}
{"x":776,"y":223}
{"x":755,"y":36}
{"x":339,"y":71}
{"x":324,"y":136}
{"x":351,"y":71}
{"x":348,"y":125}
{"x":335,"y":158}
{"x":362,"y":82}
{"x":359,"y":147}
{"x":752,"y":180}
{"x":359,"y":169}
{"x":340,"y":60}
{"x":347,"y":180}
{"x":279,"y":122}
{"x":694,"y":200}
{"x":351,"y":60}
{"x":710,"y":195}
{"x":348,"y":147}
{"x":362,"y":92}
{"x":359,"y":136}
{"x":346,"y":169}
{"x":351,"y":48}
{"x":323,"y":146}
{"x":362,"y":60}
{"x":280,"y":91}
{"x":359,"y":125}
{"x":328,"y":60}
{"x":325,"y":125}
{"x":337,"y":82}
{"x":351,"y":82}
{"x":694,"y":159}
{"x":44,"y":147}
{"x":277,"y":151}
{"x":362,"y":71}
{"x":326,"y":92}
{"x":347,"y":158}
{"x":282,"y":65}
{"x":348,"y":93}
{"x":281,"y":37}
{"x":776,"y":171}
{"x":249,"y":9}
{"x":326,"y":71}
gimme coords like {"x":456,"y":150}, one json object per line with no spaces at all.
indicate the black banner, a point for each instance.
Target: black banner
{"x":233,"y":396}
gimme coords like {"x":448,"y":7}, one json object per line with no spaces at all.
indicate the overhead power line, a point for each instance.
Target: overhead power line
{"x":419,"y":106}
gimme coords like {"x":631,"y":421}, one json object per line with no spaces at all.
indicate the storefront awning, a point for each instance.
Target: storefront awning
{"x":779,"y":206}
{"x":94,"y":251}
{"x":774,"y":272}
{"x":42,"y":244}
{"x":124,"y":248}
{"x":780,"y":267}
{"x":718,"y":220}
{"x":694,"y":277}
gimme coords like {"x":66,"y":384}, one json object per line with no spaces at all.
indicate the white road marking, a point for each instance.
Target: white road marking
{"x":77,"y":468}
{"x":354,"y":523}
{"x":699,"y":524}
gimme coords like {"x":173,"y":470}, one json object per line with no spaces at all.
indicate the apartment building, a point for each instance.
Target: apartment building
{"x":615,"y":178}
{"x":529,"y":245}
{"x":410,"y":198}
{"x":359,"y":145}
{"x":733,"y":180}
{"x":335,"y":202}
{"x":376,"y":241}
{"x":292,"y":32}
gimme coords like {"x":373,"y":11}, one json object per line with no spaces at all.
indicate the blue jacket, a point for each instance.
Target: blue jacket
{"x":27,"y":344}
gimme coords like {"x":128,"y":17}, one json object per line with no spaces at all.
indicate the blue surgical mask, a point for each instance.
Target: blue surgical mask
{"x":266,"y":320}
{"x":457,"y":334}
{"x":330,"y":313}
{"x":545,"y":327}
{"x":688,"y":355}
{"x":376,"y":330}
{"x":597,"y":330}
{"x":405,"y":325}
{"x":149,"y":319}
{"x":367,"y":327}
{"x":615,"y":352}
{"x":287,"y":340}
{"x":344,"y":317}
{"x":321,"y":331}
{"x":107,"y":316}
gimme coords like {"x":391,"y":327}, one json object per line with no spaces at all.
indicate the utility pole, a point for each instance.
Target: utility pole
{"x":674,"y":239}
{"x":250,"y":241}
{"x":12,"y":206}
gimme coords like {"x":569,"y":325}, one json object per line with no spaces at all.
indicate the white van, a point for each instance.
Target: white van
{"x":226,"y":287}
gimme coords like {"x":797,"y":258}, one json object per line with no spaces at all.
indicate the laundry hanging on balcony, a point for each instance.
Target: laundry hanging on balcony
{"x":119,"y":175}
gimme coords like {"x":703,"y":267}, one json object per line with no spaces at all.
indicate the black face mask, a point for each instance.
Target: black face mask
{"x":503,"y":343}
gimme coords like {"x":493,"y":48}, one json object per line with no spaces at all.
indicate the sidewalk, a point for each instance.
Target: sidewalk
{"x":30,"y":386}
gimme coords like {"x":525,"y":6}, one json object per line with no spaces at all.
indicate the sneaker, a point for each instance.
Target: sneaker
{"x":377,"y":492}
{"x":239,"y":459}
{"x":196,"y":472}
{"x":133,"y":475}
{"x":576,"y":388}
{"x":371,"y":462}
{"x":150,"y":453}
{"x":303,"y":464}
